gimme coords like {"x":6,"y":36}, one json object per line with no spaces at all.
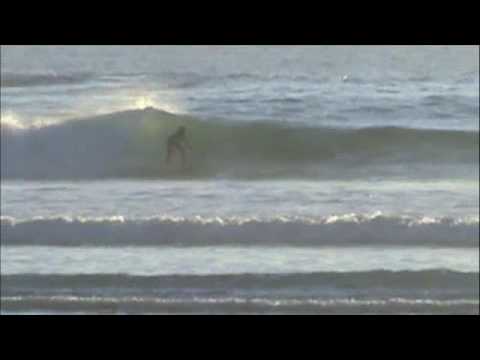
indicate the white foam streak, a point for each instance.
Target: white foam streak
{"x":10,"y":121}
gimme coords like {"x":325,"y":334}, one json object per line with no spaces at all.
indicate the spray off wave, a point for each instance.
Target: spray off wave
{"x":132,"y":144}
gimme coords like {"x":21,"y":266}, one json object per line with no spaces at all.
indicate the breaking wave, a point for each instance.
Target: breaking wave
{"x":132,"y":144}
{"x":346,"y":230}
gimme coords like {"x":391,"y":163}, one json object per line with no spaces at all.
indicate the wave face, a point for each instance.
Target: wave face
{"x":132,"y":144}
{"x":348,"y":230}
{"x":429,"y":291}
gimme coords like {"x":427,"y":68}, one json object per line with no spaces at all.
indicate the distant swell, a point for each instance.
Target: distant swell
{"x":46,"y":79}
{"x":132,"y":144}
{"x":347,"y":230}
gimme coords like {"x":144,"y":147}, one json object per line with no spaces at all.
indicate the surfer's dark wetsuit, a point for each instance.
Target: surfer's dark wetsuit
{"x":177,"y":142}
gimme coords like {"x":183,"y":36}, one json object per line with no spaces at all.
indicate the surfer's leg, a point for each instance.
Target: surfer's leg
{"x":184,"y":158}
{"x":170,"y":151}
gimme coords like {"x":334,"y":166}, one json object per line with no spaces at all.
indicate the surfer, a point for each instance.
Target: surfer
{"x":178,"y":142}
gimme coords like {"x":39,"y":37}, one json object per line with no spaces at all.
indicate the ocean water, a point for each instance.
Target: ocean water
{"x":322,"y":180}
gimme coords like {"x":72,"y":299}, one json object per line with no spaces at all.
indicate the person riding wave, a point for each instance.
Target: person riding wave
{"x":178,"y":142}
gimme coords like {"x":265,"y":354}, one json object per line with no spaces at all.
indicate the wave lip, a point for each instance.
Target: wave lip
{"x":347,"y":230}
{"x":131,"y":144}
